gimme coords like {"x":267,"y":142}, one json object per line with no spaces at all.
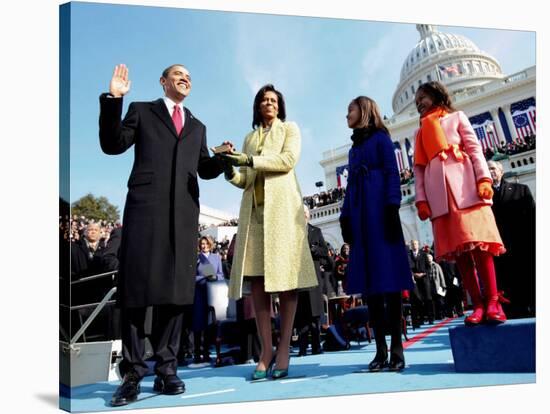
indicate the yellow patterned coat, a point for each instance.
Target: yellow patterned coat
{"x":287,"y":259}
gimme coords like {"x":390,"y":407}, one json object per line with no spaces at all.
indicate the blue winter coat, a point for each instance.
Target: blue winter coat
{"x":376,"y":265}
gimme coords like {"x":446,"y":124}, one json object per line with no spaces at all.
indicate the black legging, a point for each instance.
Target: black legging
{"x":385,"y":312}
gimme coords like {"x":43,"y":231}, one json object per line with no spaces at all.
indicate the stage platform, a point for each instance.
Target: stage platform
{"x":429,"y":366}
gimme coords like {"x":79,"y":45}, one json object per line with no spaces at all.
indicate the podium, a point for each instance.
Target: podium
{"x":508,"y":347}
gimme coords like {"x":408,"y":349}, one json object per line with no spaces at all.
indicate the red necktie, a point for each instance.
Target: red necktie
{"x":177,"y":119}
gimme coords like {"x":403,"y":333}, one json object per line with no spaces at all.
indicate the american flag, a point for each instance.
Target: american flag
{"x":524,"y":115}
{"x":342,"y":176}
{"x":487,"y":135}
{"x":399,"y":157}
{"x":451,"y":69}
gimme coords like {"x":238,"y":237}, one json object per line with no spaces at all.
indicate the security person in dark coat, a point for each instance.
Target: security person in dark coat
{"x":514,"y":210}
{"x":310,"y":301}
{"x":421,"y":298}
{"x":86,"y":253}
{"x":158,"y":253}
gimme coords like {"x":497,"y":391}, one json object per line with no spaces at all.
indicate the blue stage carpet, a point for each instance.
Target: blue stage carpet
{"x":429,"y":366}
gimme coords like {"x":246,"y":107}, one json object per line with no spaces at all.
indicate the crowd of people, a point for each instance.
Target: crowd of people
{"x":511,"y":148}
{"x":438,"y":291}
{"x":406,"y":176}
{"x":325,"y":198}
{"x":73,"y":227}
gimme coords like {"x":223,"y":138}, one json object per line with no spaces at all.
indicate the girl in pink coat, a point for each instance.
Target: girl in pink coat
{"x":453,"y":189}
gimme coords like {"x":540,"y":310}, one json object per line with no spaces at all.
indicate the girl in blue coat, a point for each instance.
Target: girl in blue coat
{"x":378,"y":265}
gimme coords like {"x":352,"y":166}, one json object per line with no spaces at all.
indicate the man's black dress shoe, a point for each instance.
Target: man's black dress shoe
{"x":169,"y":384}
{"x":316,"y":351}
{"x":396,"y":365}
{"x":128,"y":391}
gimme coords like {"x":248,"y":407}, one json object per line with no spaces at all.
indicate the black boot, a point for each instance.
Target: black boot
{"x":395,"y":321}
{"x":315,"y":339}
{"x":376,"y":308}
{"x":397,"y":358}
{"x":303,"y":341}
{"x":380,"y":360}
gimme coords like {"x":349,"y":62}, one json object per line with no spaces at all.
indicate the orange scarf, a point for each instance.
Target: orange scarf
{"x":430,"y":139}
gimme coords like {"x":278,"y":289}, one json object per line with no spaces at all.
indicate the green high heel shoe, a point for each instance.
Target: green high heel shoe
{"x":280,"y":373}
{"x":260,"y":374}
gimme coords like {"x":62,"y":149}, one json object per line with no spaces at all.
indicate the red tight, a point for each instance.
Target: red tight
{"x":481,"y":261}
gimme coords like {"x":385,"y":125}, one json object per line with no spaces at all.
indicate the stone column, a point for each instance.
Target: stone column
{"x":404,"y":153}
{"x":498,"y":126}
{"x":510,"y":121}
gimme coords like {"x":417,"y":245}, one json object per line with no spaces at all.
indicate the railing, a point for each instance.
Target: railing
{"x":98,"y":306}
{"x":326,"y":211}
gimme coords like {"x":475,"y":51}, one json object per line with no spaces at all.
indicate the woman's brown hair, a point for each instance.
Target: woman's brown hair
{"x":439,"y":94}
{"x":370,"y":114}
{"x":208,"y":240}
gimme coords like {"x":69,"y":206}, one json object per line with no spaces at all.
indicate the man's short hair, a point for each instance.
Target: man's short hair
{"x":166,"y":71}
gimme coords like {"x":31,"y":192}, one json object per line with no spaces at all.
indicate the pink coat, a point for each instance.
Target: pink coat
{"x":460,"y":177}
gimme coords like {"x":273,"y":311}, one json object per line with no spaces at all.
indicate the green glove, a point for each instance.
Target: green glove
{"x":238,"y":159}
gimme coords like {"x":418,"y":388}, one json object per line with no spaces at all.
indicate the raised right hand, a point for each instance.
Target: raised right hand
{"x":120,"y":84}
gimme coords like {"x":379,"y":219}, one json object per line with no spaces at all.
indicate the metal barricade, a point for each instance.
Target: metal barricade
{"x":89,"y":362}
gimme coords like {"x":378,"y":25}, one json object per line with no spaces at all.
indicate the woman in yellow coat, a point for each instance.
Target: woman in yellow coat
{"x":272,"y":251}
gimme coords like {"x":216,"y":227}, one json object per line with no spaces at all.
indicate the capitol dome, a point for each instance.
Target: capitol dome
{"x":451,"y":59}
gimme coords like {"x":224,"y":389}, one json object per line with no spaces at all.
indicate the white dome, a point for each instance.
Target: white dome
{"x":451,"y":59}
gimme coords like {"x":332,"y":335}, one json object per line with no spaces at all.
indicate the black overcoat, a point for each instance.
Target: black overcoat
{"x":158,"y":252}
{"x":515,"y":215}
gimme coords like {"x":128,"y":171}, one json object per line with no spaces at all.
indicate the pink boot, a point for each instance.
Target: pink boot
{"x":486,"y":269}
{"x":476,"y":317}
{"x":466,"y":268}
{"x":494,"y":313}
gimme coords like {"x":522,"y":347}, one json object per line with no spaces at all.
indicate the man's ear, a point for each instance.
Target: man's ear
{"x":162,"y":81}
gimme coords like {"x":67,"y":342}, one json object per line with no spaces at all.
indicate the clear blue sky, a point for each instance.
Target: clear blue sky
{"x":318,"y":64}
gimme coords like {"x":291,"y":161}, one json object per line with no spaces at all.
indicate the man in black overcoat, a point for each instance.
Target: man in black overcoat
{"x":454,"y":296}
{"x":158,"y":252}
{"x":421,"y":298}
{"x":310,"y":301}
{"x":514,"y":210}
